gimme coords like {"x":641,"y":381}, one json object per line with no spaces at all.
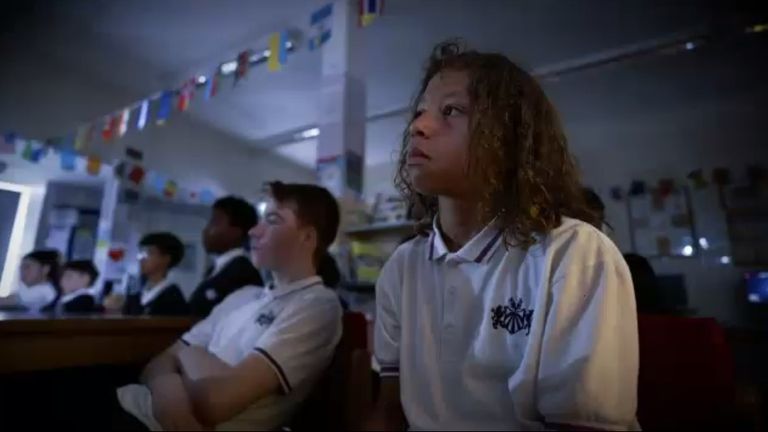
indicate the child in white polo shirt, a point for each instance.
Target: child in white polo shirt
{"x":508,"y":312}
{"x":250,"y":363}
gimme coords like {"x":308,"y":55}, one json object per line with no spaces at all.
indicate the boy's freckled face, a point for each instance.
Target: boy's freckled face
{"x":439,"y":137}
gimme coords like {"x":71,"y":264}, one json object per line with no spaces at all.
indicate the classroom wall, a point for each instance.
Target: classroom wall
{"x":663,"y":118}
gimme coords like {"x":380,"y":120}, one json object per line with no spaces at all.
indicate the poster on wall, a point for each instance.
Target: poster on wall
{"x":661,"y":224}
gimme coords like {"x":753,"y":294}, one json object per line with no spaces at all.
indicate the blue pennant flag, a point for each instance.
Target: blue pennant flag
{"x":68,"y":159}
{"x":164,"y":110}
{"x":8,"y":143}
{"x":321,"y":29}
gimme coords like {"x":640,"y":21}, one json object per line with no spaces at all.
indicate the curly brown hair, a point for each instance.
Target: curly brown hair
{"x":518,"y":161}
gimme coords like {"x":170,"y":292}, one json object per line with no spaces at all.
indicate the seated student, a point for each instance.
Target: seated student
{"x":510,"y":313}
{"x":77,"y":296}
{"x":39,"y":275}
{"x":256,"y":356}
{"x":225,"y":236}
{"x":160,"y":252}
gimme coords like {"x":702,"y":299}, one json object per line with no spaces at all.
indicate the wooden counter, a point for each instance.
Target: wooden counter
{"x":34,"y":342}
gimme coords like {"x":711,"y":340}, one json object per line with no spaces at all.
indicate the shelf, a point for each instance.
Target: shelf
{"x":382,"y":228}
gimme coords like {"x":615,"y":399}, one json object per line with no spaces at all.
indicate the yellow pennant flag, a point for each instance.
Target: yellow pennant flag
{"x":273,"y":63}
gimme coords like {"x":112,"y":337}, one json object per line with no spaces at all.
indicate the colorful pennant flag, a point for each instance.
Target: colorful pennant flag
{"x":185,"y":95}
{"x":164,"y":110}
{"x":68,"y":159}
{"x":93,"y":165}
{"x":27,"y":152}
{"x":211,"y":85}
{"x":134,"y":154}
{"x":141,"y":121}
{"x":107,"y":130}
{"x":321,"y":30}
{"x":369,"y":10}
{"x":122,"y":125}
{"x":83,"y":137}
{"x":157,"y":181}
{"x":637,"y":188}
{"x":169,"y":191}
{"x":243,"y":65}
{"x":8,"y":143}
{"x":278,"y":53}
{"x":136,"y":174}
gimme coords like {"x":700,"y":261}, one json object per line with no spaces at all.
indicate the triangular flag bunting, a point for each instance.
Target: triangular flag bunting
{"x":68,"y":159}
{"x":123,"y":117}
{"x":27,"y":152}
{"x":83,"y":138}
{"x":93,"y":166}
{"x":243,"y":65}
{"x":278,"y":53}
{"x":185,"y":95}
{"x":369,"y":10}
{"x":321,"y":30}
{"x":211,"y":85}
{"x":8,"y":143}
{"x":164,"y":110}
{"x":136,"y":174}
{"x":107,"y":129}
{"x":141,"y":120}
{"x":169,"y":191}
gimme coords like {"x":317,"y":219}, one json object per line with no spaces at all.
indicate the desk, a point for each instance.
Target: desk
{"x":35,"y":342}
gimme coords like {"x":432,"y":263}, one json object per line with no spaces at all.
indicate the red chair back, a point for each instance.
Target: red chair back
{"x":686,"y":373}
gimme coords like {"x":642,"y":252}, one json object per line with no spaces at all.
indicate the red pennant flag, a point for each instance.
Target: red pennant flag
{"x":185,"y":95}
{"x":107,"y":131}
{"x":243,"y":63}
{"x":136,"y":175}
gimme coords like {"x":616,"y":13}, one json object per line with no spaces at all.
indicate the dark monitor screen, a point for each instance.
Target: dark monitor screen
{"x":757,"y":286}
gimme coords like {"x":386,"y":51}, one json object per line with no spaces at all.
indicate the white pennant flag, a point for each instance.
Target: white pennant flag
{"x":142,"y":121}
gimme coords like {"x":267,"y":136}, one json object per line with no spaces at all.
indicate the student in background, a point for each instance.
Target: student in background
{"x":39,"y":276}
{"x":647,"y":293}
{"x":510,"y":313}
{"x":252,"y":361}
{"x":225,"y":236}
{"x":160,"y":253}
{"x":77,"y":296}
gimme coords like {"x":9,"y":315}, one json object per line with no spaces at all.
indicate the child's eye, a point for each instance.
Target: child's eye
{"x":418,"y":113}
{"x":451,"y":110}
{"x":272,"y":220}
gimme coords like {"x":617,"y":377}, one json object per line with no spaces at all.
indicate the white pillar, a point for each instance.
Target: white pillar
{"x":341,"y":143}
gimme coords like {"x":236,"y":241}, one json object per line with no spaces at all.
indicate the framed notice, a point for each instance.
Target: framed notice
{"x":662,"y":225}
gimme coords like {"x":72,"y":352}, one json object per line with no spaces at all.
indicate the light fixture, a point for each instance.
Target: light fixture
{"x":757,"y":28}
{"x":690,"y":45}
{"x":703,"y":243}
{"x":228,"y":67}
{"x":201,"y":79}
{"x":725,"y":259}
{"x":307,"y":134}
{"x":687,"y":250}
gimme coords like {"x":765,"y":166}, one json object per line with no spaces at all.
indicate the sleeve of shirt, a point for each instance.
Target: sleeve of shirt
{"x":300,"y":344}
{"x":386,"y":337}
{"x":589,"y":354}
{"x":201,"y":333}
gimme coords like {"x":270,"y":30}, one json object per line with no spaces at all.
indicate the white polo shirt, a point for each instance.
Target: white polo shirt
{"x":295,"y":328}
{"x":500,"y":339}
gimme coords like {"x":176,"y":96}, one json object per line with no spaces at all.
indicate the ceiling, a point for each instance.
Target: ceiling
{"x":141,"y":47}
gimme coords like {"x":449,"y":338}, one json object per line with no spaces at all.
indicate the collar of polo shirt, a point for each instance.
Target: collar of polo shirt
{"x":478,"y":250}
{"x":277,"y":291}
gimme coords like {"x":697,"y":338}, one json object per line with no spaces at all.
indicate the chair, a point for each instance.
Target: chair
{"x":342,"y":397}
{"x":686,"y":375}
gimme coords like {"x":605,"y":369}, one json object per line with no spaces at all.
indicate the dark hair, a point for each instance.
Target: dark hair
{"x":167,"y":244}
{"x":240,"y":213}
{"x":518,"y":161}
{"x":83,"y":266}
{"x":647,"y":293}
{"x":596,"y":205}
{"x":315,"y":207}
{"x":329,"y":271}
{"x":50,"y":258}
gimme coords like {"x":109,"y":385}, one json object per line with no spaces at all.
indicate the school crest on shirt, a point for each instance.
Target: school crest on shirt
{"x":265,"y":318}
{"x":512,"y":317}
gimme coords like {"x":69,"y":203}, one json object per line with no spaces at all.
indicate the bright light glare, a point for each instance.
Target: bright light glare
{"x":688,"y":250}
